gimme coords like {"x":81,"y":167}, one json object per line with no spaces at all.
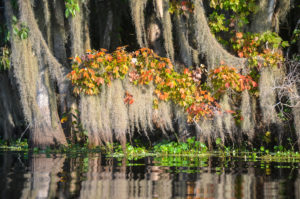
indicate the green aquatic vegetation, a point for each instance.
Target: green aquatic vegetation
{"x":19,"y":145}
{"x":131,"y":150}
{"x":170,"y":153}
{"x":189,"y":147}
{"x":181,"y":161}
{"x":71,"y":149}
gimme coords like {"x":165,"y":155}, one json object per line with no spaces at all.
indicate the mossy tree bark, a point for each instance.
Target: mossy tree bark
{"x":40,"y":64}
{"x":33,"y":67}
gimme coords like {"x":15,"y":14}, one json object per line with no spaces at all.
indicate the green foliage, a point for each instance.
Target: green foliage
{"x":238,"y":10}
{"x":80,"y":135}
{"x":186,"y":162}
{"x":4,"y":58}
{"x":285,"y":111}
{"x":181,"y":7}
{"x":131,"y":150}
{"x":217,"y":22}
{"x":222,"y":149}
{"x":189,"y":147}
{"x":14,"y":146}
{"x":296,"y":36}
{"x":189,"y":153}
{"x":4,"y":48}
{"x":226,"y":77}
{"x":179,"y":153}
{"x":98,"y":68}
{"x":20,"y":30}
{"x":260,"y":49}
{"x":271,"y":39}
{"x":232,"y":15}
{"x":72,"y":6}
{"x":5,"y":35}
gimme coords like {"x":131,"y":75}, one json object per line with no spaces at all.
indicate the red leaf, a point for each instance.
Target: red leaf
{"x":230,"y":111}
{"x":186,"y":71}
{"x":78,"y":59}
{"x":241,"y":54}
{"x":239,"y":35}
{"x":254,"y":84}
{"x":227,"y":85}
{"x":131,"y":101}
{"x":91,"y":56}
{"x":99,"y":80}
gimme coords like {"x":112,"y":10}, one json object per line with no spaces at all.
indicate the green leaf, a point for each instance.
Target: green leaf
{"x":218,"y":141}
{"x":86,"y":133}
{"x":14,"y":19}
{"x":16,"y":30}
{"x":285,"y":44}
{"x":67,"y":13}
{"x":77,"y":7}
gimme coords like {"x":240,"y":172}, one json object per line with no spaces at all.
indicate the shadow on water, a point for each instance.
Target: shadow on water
{"x":95,"y":176}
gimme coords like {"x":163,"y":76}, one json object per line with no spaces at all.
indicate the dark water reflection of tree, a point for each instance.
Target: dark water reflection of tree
{"x":93,"y":176}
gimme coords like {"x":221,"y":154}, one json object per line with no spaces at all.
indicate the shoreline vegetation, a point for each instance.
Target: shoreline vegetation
{"x":191,"y":149}
{"x":210,"y":77}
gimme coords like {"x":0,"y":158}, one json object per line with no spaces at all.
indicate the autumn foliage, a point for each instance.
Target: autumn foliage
{"x":258,"y":47}
{"x":226,"y":77}
{"x":99,"y":68}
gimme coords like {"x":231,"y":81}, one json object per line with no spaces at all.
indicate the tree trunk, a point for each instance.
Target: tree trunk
{"x":40,"y":65}
{"x":43,"y":181}
{"x":10,"y":114}
{"x":31,"y":64}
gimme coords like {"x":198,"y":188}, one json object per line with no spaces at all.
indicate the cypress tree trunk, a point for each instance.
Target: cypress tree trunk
{"x":32,"y":62}
{"x":40,"y":64}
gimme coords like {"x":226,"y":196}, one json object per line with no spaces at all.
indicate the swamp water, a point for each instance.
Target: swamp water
{"x":94,"y":176}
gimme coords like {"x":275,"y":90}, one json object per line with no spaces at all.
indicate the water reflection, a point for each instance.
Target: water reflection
{"x":93,"y":176}
{"x":42,"y":180}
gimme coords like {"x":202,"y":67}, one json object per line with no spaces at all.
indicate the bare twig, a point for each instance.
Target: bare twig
{"x":286,"y":88}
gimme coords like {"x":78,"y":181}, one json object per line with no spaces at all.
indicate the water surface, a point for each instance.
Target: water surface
{"x":95,"y":176}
